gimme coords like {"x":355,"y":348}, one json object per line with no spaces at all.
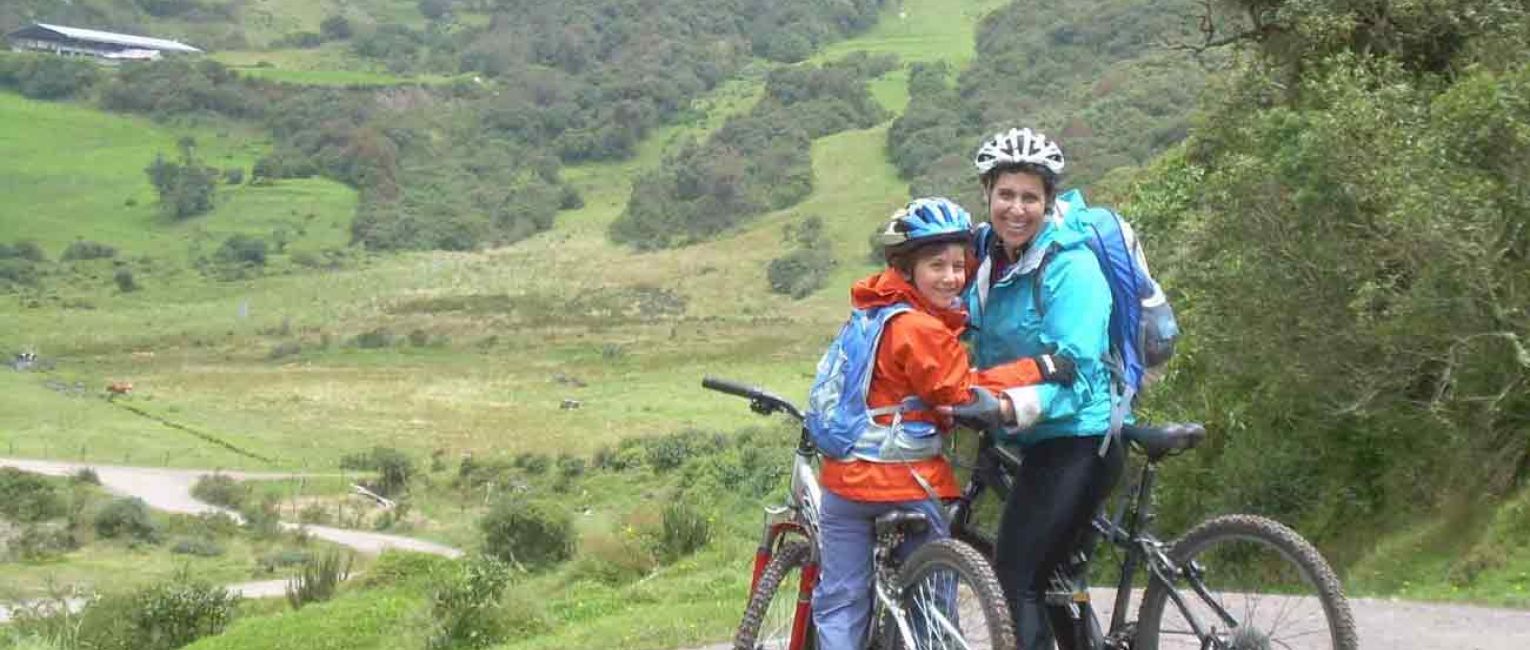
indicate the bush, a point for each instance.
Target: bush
{"x":242,"y":249}
{"x":221,"y":490}
{"x":281,"y":559}
{"x":186,"y":186}
{"x":24,"y":249}
{"x":285,"y":349}
{"x":48,"y":76}
{"x":83,"y":249}
{"x":612,"y":559}
{"x":394,"y":468}
{"x":127,"y":517}
{"x":465,"y":604}
{"x":533,"y":463}
{"x":530,"y":534}
{"x":799,"y":273}
{"x":234,"y":175}
{"x":684,"y":531}
{"x":42,"y":542}
{"x":314,"y":513}
{"x":124,"y":279}
{"x":173,"y":614}
{"x":372,"y":340}
{"x":318,"y":580}
{"x":28,"y":497}
{"x":395,"y":567}
{"x":198,"y":546}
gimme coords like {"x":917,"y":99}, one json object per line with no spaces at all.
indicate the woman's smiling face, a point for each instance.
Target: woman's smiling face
{"x":1017,"y":205}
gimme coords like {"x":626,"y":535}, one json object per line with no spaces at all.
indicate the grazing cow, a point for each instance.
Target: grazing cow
{"x":117,"y":389}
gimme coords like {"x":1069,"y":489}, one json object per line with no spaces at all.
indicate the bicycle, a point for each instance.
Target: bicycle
{"x":1219,"y":576}
{"x":943,"y":595}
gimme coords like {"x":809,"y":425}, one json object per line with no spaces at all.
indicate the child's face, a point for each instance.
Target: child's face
{"x":940,"y":275}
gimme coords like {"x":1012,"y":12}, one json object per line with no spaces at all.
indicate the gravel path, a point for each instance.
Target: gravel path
{"x":1389,"y":624}
{"x":170,"y":490}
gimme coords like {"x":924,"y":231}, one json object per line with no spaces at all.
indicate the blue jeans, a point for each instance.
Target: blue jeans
{"x":842,"y":600}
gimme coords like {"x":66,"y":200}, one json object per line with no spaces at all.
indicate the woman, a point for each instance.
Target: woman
{"x":896,"y":464}
{"x":1039,"y":290}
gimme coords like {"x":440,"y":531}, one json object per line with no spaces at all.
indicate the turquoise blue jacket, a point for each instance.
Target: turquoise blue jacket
{"x":1004,"y":325}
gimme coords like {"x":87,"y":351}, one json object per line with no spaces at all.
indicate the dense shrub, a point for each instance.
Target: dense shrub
{"x":395,"y":567}
{"x":465,"y":604}
{"x":318,"y":580}
{"x":28,"y":497}
{"x":529,"y":534}
{"x":684,"y":530}
{"x":394,"y":468}
{"x":125,"y":281}
{"x":171,"y":615}
{"x":82,"y":249}
{"x":185,"y":186}
{"x":23,"y":249}
{"x":42,"y":542}
{"x":198,"y":546}
{"x":127,"y":518}
{"x":221,"y":490}
{"x":242,"y":249}
{"x":43,"y":76}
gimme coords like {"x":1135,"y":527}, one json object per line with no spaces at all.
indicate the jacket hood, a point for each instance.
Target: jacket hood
{"x":890,"y":287}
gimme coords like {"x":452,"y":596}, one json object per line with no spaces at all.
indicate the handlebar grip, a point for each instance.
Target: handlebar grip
{"x":729,"y":387}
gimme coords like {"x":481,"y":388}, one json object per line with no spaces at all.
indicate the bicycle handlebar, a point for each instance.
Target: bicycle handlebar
{"x":761,"y":401}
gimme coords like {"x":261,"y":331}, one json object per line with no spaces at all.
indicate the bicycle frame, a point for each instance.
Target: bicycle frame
{"x":1126,"y":529}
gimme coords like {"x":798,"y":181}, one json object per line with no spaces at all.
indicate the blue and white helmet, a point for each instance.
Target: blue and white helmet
{"x":1016,"y":147}
{"x":925,"y":221}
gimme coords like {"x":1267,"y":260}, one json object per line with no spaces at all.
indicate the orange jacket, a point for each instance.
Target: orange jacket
{"x":919,"y":354}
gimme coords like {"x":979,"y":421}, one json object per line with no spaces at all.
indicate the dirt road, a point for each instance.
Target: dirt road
{"x":170,"y":490}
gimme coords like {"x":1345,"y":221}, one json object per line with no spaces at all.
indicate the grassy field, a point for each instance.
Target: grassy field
{"x":70,"y":172}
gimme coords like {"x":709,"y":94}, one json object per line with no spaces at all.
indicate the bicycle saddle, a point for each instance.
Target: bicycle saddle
{"x":908,"y":521}
{"x":1166,"y":440}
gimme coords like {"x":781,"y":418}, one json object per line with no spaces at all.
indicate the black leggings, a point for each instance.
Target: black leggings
{"x":1059,"y":487}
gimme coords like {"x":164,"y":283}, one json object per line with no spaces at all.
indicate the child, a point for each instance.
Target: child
{"x":895,"y":463}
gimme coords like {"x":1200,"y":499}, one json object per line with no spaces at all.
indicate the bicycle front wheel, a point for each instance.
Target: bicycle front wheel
{"x":950,"y":599}
{"x":778,"y":617}
{"x":1250,"y":583}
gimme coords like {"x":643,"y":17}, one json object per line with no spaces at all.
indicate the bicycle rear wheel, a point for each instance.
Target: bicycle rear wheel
{"x":951,"y":599}
{"x":1275,"y":587}
{"x":777,"y":620}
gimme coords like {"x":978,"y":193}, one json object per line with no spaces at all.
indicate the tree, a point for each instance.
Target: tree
{"x":185,"y":187}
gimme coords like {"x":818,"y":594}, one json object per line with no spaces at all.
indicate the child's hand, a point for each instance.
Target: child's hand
{"x":984,"y":411}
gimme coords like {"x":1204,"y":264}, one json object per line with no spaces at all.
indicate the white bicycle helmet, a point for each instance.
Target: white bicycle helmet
{"x":1018,"y":146}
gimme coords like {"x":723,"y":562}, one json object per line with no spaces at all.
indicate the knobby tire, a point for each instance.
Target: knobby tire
{"x":970,"y":568}
{"x":1223,"y":533}
{"x":788,"y":560}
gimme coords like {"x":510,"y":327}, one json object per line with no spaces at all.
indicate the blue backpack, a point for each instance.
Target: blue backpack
{"x":838,"y":417}
{"x":1142,"y":325}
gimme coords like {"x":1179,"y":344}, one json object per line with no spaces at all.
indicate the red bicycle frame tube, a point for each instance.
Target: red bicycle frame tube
{"x":803,"y":620}
{"x":767,"y":547}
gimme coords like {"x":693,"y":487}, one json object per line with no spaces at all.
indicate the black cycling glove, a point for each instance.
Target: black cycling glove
{"x":984,"y":412}
{"x":1056,"y":369}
